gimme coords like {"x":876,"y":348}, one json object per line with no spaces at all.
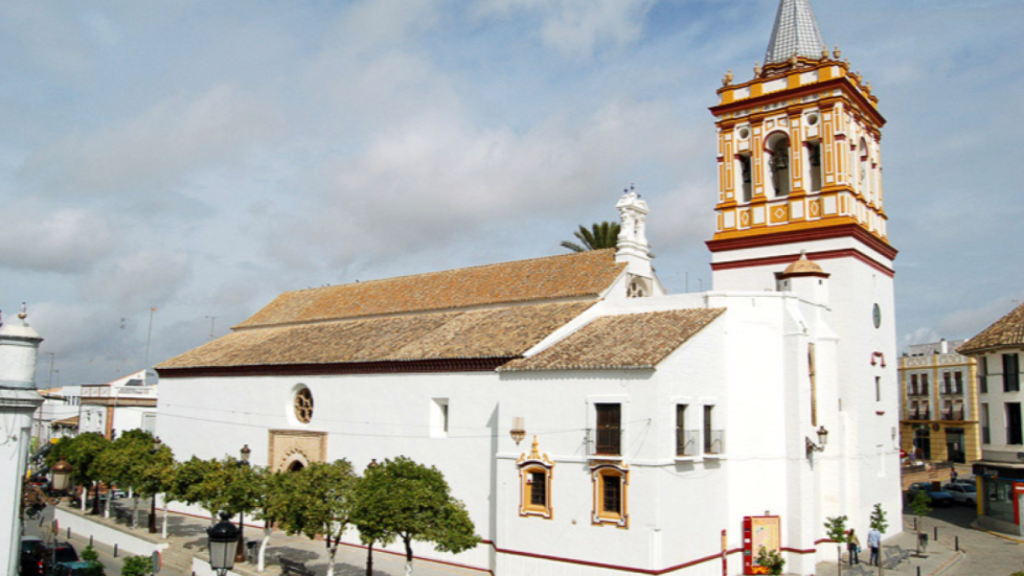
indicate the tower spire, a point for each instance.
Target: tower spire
{"x":796,"y":33}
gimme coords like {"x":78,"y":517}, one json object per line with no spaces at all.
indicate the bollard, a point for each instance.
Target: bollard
{"x":936,"y":538}
{"x":918,"y":571}
{"x":957,"y":540}
{"x":915,"y":524}
{"x":115,"y":550}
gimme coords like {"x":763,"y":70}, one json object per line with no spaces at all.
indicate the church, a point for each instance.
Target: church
{"x":591,"y":422}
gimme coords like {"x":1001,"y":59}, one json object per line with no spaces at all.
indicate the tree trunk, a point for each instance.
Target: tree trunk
{"x":85,"y":496}
{"x":163,"y":530}
{"x":261,"y":563}
{"x":96,"y":500}
{"x":408,"y":555}
{"x":369,"y":560}
{"x":135,"y":513}
{"x":330,"y":556}
{"x":106,"y":507}
{"x":839,"y":551}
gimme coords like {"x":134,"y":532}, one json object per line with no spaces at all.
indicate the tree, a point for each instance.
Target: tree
{"x":835,"y":528}
{"x":137,"y":566}
{"x":601,"y":235}
{"x":880,"y":523}
{"x":95,"y":568}
{"x":411,"y":501}
{"x":920,"y":506}
{"x":318,"y":501}
{"x":197,"y":481}
{"x":268,"y":488}
{"x":81,"y":452}
{"x":131,"y":461}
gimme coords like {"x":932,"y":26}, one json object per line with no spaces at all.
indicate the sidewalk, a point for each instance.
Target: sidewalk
{"x":936,"y":560}
{"x":187,"y":538}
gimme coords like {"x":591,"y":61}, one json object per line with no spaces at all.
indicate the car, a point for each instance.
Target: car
{"x":76,"y":568}
{"x":937,"y":497}
{"x":33,"y":556}
{"x":63,"y":552}
{"x":962,"y":493}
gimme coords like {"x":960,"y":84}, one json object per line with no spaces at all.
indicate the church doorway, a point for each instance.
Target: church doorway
{"x":295,"y":466}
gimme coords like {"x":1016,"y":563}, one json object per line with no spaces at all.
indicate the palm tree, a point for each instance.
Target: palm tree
{"x":603,"y":235}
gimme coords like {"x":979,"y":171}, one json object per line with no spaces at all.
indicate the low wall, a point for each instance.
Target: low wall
{"x":103,"y":532}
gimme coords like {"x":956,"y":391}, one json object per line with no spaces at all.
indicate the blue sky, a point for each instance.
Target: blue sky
{"x":201,"y":157}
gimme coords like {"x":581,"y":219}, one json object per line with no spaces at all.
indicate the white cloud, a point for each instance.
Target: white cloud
{"x":67,"y":240}
{"x":139,"y":281}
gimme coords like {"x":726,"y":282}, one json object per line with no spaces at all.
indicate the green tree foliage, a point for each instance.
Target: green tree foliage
{"x":201,"y":482}
{"x":137,"y":566}
{"x":921,"y":507}
{"x":317,"y":500}
{"x":770,"y":559}
{"x":95,"y":568}
{"x":81,"y":453}
{"x":601,"y":235}
{"x":878,"y":519}
{"x":262,"y":488}
{"x":835,"y":528}
{"x":132,"y":462}
{"x":410,"y":501}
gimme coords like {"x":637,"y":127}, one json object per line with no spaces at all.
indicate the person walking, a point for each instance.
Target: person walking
{"x":853,"y":547}
{"x":874,"y":543}
{"x":952,"y":475}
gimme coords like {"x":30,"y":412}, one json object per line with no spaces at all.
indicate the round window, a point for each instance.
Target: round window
{"x":303,"y":405}
{"x":744,"y":133}
{"x":812,"y":119}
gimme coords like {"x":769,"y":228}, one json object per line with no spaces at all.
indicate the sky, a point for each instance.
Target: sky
{"x":168,"y":167}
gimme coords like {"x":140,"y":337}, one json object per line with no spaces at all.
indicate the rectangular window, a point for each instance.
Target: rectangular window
{"x":958,"y":382}
{"x":609,"y":429}
{"x":745,"y":176}
{"x":878,"y":388}
{"x":538,"y":489}
{"x":439,"y":418}
{"x":1011,"y":373}
{"x":814,"y":160}
{"x":986,"y":437}
{"x":683,"y":447}
{"x":983,"y":375}
{"x":714,"y":440}
{"x":924,"y":384}
{"x":947,"y":383}
{"x":1013,"y":429}
{"x":913,"y":384}
{"x":612,"y":494}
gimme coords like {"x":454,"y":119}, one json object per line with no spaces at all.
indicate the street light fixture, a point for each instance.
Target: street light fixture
{"x":152,"y":503}
{"x":822,"y":441}
{"x":61,"y":473}
{"x":222,"y":537}
{"x":240,"y":550}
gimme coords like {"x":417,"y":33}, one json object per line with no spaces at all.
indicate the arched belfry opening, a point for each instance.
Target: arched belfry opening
{"x":778,"y":164}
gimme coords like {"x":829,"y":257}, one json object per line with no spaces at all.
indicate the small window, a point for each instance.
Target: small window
{"x":686,"y":440}
{"x":983,"y":375}
{"x":1011,"y":373}
{"x":1013,"y":424}
{"x":924,"y":384}
{"x":878,"y":388}
{"x":535,"y":473}
{"x":746,"y":178}
{"x":439,"y":418}
{"x":947,"y":383}
{"x":913,"y":384}
{"x":609,"y":429}
{"x":986,"y":436}
{"x":610,"y":485}
{"x":714,"y":439}
{"x":958,"y":382}
{"x":303,"y":405}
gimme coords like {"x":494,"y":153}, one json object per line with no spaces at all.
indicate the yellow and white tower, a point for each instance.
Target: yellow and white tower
{"x":800,"y":173}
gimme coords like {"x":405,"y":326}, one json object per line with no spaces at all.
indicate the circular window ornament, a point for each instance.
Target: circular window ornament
{"x":812,"y":119}
{"x":303,"y":405}
{"x":876,"y":315}
{"x":744,"y":133}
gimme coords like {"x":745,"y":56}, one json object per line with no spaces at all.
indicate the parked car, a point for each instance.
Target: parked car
{"x":937,"y":497}
{"x":33,"y":556}
{"x":962,"y":493}
{"x":62,"y":552}
{"x":76,"y":568}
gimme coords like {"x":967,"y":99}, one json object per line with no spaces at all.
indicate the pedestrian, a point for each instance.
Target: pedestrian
{"x":853,"y":547}
{"x":952,"y":475}
{"x":874,"y":543}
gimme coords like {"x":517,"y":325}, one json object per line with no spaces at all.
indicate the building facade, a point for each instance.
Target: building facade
{"x":939,"y":403}
{"x":592,"y":423}
{"x":997,"y":351}
{"x":127,"y":403}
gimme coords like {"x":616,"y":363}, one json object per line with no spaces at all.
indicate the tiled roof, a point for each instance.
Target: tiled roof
{"x":71,"y":422}
{"x":796,"y":32}
{"x":584,"y":274}
{"x":1008,"y":331}
{"x":621,"y":342}
{"x":502,"y":332}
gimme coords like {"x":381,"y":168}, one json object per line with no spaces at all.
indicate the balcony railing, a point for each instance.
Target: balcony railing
{"x":687,"y":442}
{"x":953,"y":414}
{"x":714,"y":443}
{"x":119,"y":392}
{"x":920,"y":415}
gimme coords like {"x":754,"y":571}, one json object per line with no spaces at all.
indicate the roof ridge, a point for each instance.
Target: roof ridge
{"x":448,"y":270}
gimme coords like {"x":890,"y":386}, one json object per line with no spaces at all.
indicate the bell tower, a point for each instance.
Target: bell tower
{"x":799,"y":160}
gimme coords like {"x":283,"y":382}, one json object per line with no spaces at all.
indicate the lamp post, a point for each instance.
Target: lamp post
{"x":152,"y":503}
{"x":240,"y":551}
{"x":822,"y":441}
{"x":222,"y":537}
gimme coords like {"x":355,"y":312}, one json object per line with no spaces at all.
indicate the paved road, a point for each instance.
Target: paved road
{"x":41,"y":527}
{"x":985,"y":554}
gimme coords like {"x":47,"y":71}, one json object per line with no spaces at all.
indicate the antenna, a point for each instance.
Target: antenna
{"x":213,"y":320}
{"x":149,"y":336}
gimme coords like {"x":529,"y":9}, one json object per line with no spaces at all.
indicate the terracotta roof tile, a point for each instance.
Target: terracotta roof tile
{"x":621,"y":342}
{"x":584,"y":274}
{"x":503,"y":332}
{"x":1008,"y":331}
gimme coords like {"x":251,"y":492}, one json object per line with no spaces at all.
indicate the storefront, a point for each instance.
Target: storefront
{"x":1000,"y":495}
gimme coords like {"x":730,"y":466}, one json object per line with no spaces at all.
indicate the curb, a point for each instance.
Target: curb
{"x":956,"y":558}
{"x":998,"y":535}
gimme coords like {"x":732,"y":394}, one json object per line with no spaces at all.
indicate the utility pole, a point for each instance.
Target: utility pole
{"x":51,"y":368}
{"x":212,"y":319}
{"x":149,"y":336}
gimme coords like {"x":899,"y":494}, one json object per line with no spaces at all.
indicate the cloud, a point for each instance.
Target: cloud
{"x":138,"y":281}
{"x":67,"y":241}
{"x":578,"y":28}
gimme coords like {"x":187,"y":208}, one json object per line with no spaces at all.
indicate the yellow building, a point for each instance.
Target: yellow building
{"x":940,"y":403}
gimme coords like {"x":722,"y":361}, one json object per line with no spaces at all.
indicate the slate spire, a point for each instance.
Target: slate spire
{"x":796,"y":32}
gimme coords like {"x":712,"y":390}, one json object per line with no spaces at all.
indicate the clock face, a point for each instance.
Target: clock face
{"x":876,"y":315}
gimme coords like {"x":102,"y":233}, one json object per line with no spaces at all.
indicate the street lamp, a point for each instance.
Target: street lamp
{"x":152,"y":503}
{"x":240,"y":550}
{"x":222,"y":537}
{"x":822,"y":441}
{"x":61,"y":473}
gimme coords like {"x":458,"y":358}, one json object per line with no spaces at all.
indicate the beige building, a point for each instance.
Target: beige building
{"x":939,"y":419}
